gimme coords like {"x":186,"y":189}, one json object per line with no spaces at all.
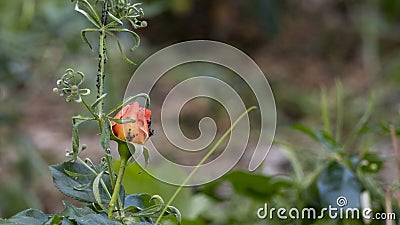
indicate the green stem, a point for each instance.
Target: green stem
{"x":202,"y":162}
{"x":100,"y":91}
{"x":88,"y":108}
{"x":110,"y":170}
{"x":125,"y":155}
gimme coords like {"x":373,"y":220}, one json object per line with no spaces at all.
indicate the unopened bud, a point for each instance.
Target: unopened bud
{"x":143,"y":24}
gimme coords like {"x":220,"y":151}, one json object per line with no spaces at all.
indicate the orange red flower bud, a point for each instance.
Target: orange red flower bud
{"x":135,"y":132}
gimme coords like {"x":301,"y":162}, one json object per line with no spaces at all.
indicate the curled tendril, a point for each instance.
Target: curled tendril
{"x":118,"y":14}
{"x":130,"y":11}
{"x":69,"y":85}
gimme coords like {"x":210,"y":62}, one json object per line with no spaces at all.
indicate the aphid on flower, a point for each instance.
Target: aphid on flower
{"x":136,"y":132}
{"x":151,"y":131}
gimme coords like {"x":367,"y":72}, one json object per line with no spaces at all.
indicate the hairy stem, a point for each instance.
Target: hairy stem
{"x":100,"y":84}
{"x":102,"y":59}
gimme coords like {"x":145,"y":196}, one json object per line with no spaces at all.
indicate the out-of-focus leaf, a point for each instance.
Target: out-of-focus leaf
{"x":325,"y":113}
{"x":197,"y":221}
{"x":382,"y":128}
{"x":15,"y":192}
{"x":322,"y":137}
{"x":256,"y":186}
{"x":390,"y":8}
{"x":338,"y":181}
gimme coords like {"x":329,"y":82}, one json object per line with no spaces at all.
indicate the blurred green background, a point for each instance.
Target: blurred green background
{"x":301,"y":46}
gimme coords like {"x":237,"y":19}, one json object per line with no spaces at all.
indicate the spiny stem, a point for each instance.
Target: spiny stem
{"x":202,"y":162}
{"x":122,"y":148}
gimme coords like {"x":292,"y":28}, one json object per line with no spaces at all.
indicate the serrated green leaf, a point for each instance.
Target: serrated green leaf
{"x":86,"y":216}
{"x":29,"y":216}
{"x":139,"y":200}
{"x":73,"y":186}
